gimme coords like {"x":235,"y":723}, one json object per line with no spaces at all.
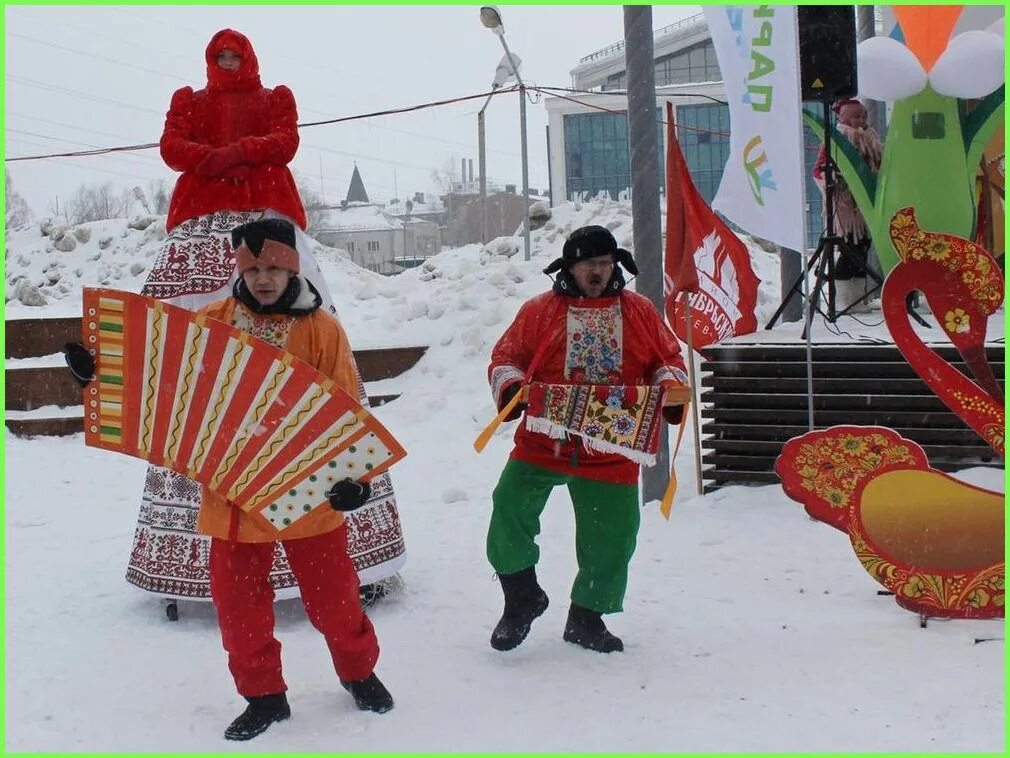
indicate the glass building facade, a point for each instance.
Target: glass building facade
{"x":597,"y":155}
{"x":704,"y":140}
{"x":697,"y":63}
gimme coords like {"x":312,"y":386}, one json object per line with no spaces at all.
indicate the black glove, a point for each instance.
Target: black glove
{"x":349,"y":495}
{"x":506,"y":397}
{"x":80,"y":362}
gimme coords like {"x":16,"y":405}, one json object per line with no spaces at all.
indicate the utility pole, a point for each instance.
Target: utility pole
{"x":322,"y":189}
{"x":645,"y":213}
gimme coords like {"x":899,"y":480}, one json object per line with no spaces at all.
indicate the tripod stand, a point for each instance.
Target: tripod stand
{"x":822,"y":261}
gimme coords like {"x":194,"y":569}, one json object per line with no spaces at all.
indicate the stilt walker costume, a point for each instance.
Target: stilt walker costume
{"x":232,"y":142}
{"x":587,"y":331}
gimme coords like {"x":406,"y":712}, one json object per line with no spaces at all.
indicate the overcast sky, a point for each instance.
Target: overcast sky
{"x":80,"y":77}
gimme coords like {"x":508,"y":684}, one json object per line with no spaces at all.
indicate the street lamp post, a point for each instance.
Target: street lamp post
{"x":482,"y":168}
{"x":491,"y":18}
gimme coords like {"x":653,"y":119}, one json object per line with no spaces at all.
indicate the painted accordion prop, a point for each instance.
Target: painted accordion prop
{"x":248,"y":420}
{"x":608,"y":418}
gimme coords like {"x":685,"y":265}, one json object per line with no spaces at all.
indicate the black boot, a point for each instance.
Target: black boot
{"x":258,"y":716}
{"x":369,"y":593}
{"x":524,"y":601}
{"x":370,"y":694}
{"x":586,"y":628}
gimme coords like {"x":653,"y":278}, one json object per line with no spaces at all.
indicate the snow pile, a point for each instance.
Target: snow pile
{"x":740,"y":610}
{"x":480,"y":287}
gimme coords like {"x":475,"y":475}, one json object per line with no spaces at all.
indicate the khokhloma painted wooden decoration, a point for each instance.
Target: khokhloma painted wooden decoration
{"x":934,"y":541}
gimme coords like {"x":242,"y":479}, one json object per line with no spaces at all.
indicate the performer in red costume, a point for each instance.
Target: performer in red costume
{"x":232,"y":141}
{"x":587,"y":331}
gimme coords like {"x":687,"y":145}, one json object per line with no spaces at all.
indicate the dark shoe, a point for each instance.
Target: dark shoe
{"x":370,"y":694}
{"x":586,"y":628}
{"x":258,"y":716}
{"x":369,"y":593}
{"x":525,"y":600}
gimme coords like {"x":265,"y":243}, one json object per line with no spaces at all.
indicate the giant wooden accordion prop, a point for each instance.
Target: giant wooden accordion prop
{"x":250,"y":421}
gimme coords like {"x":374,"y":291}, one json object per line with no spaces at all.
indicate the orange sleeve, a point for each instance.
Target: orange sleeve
{"x":322,"y":342}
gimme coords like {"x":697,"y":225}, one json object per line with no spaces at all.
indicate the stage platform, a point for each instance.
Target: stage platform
{"x":753,"y":397}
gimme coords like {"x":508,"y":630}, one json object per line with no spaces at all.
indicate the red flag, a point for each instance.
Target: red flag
{"x":681,"y":274}
{"x":705,"y":259}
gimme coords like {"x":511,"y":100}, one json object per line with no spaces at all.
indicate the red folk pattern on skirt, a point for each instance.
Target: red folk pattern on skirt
{"x":196,"y":258}
{"x":168,"y":556}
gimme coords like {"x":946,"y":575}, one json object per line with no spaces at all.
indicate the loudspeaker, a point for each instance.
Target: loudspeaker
{"x":827,"y":51}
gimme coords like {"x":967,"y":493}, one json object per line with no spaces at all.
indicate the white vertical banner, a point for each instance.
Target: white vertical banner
{"x":762,"y":188}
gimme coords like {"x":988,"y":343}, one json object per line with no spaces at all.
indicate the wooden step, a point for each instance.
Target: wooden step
{"x":891,"y":418}
{"x":46,"y":427}
{"x":64,"y":425}
{"x":822,"y":385}
{"x":786,"y":401}
{"x":845,"y":352}
{"x":26,"y":389}
{"x":774,"y":371}
{"x":29,"y":388}
{"x":31,"y":337}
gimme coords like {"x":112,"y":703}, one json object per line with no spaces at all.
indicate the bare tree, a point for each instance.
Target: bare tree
{"x":315,"y":212}
{"x":159,"y":195}
{"x":17,"y":213}
{"x":97,"y":203}
{"x":444,"y":177}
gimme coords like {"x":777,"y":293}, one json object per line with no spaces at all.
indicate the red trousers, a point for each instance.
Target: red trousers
{"x":240,"y":588}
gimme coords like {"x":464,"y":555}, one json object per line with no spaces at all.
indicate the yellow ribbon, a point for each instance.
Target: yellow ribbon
{"x":484,"y":437}
{"x":666,"y":504}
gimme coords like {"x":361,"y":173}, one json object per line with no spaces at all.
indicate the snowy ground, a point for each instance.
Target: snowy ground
{"x":748,"y":626}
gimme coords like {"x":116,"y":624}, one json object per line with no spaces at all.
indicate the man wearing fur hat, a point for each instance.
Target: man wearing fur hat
{"x":588,"y":330}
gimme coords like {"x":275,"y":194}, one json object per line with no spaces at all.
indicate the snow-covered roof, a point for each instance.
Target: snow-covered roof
{"x":358,"y":217}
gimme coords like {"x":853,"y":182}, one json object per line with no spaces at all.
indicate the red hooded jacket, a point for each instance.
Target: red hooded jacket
{"x":235,"y":109}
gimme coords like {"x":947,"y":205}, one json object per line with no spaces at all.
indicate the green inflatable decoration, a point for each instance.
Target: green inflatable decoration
{"x":932,"y":151}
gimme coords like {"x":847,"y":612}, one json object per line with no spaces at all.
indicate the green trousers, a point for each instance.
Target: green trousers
{"x":606,"y":527}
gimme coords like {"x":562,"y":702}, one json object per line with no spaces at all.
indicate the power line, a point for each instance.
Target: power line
{"x":73,"y":93}
{"x":149,"y":145}
{"x":74,"y":142}
{"x":69,"y":126}
{"x":72,"y":164}
{"x":114,"y":61}
{"x":92,"y":32}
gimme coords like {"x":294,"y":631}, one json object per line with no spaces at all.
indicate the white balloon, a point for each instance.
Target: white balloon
{"x":971,"y":66}
{"x":997,"y":27}
{"x":888,"y":70}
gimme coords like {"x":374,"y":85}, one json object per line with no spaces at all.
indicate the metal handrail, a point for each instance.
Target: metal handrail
{"x":617,"y":46}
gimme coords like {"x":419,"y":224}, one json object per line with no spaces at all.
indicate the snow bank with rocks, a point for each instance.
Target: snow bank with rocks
{"x":478,"y":288}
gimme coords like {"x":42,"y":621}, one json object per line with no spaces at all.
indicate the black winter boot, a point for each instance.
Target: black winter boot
{"x":586,"y":628}
{"x":524,"y":601}
{"x":370,"y":694}
{"x":258,"y":716}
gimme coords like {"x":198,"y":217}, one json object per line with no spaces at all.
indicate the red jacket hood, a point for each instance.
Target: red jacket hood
{"x":248,"y":75}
